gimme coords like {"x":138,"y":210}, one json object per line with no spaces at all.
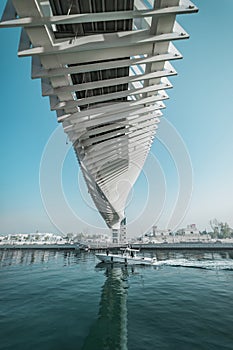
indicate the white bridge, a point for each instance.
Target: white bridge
{"x":104,"y":65}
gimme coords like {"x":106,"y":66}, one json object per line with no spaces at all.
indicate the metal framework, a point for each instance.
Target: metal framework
{"x":104,"y":65}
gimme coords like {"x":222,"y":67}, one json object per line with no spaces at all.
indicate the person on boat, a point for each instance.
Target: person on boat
{"x":107,"y":251}
{"x":132,"y":254}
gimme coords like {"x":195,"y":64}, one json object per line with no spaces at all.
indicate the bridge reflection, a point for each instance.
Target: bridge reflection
{"x":109,"y":331}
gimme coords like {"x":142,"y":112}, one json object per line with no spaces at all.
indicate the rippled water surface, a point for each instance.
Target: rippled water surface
{"x":67,"y":300}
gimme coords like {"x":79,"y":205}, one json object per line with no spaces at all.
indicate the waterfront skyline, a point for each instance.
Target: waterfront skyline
{"x":199,"y":108}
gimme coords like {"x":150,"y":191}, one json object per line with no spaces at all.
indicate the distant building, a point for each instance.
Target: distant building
{"x":189,"y":230}
{"x":33,"y":238}
{"x":115,"y":235}
{"x":159,"y":232}
{"x":120,"y":235}
{"x":123,"y":231}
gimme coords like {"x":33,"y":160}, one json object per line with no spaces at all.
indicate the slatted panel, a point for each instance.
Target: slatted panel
{"x":104,"y":65}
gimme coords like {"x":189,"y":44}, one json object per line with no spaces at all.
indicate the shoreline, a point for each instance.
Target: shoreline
{"x":185,"y":246}
{"x":148,"y":246}
{"x":39,"y":246}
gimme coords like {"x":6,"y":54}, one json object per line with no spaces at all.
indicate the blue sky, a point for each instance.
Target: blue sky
{"x":200,"y":110}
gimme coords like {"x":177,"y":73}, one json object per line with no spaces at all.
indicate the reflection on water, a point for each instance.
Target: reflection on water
{"x":89,"y":306}
{"x":109,"y":331}
{"x":190,"y":254}
{"x":183,"y":258}
{"x":10,"y":257}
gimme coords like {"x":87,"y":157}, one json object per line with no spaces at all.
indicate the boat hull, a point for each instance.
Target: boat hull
{"x":126,"y":260}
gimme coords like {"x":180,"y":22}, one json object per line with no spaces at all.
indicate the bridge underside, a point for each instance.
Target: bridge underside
{"x":105,"y":67}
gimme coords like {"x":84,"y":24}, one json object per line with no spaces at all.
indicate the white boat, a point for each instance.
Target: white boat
{"x":128,"y":256}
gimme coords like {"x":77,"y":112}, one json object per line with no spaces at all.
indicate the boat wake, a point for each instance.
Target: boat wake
{"x":224,"y":264}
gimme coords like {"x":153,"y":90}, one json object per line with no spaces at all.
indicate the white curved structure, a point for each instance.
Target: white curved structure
{"x":104,"y":65}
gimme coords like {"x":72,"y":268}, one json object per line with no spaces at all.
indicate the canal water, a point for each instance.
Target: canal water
{"x":52,"y":300}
